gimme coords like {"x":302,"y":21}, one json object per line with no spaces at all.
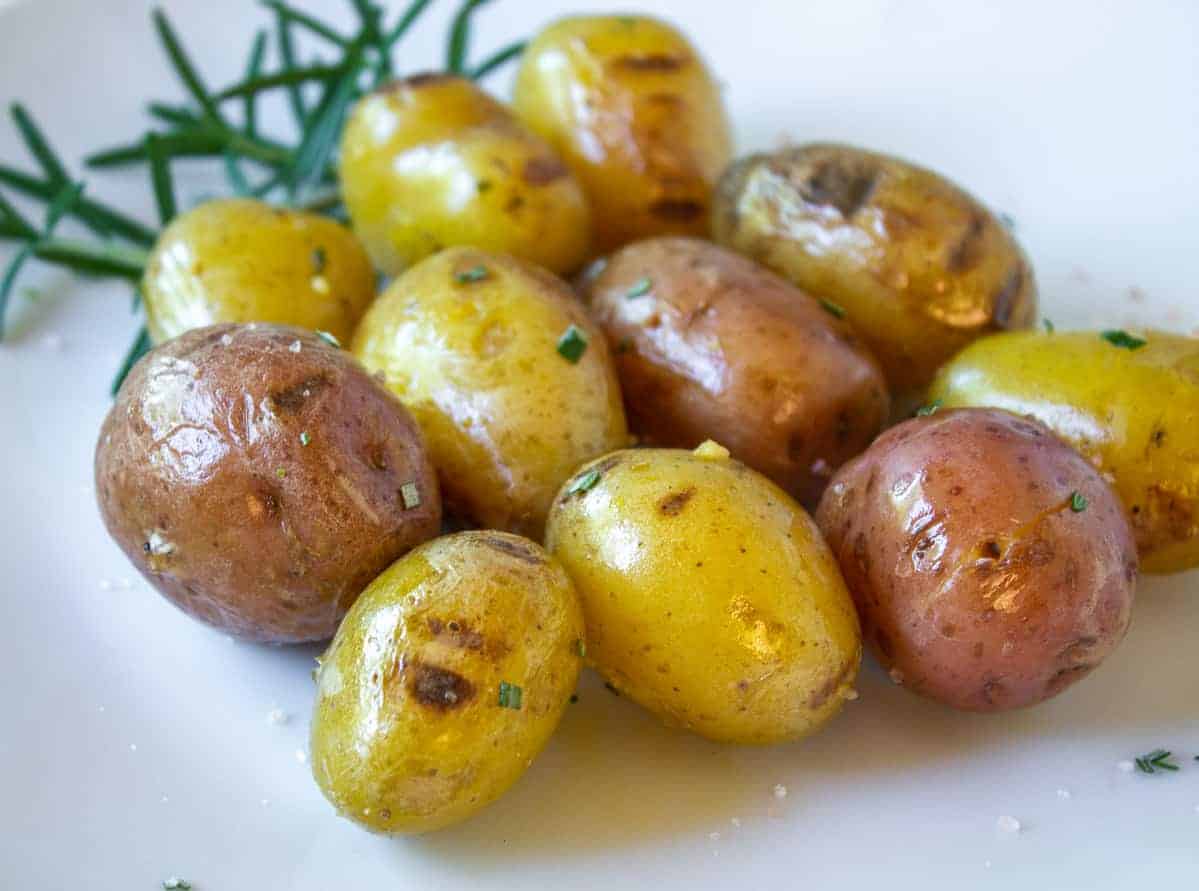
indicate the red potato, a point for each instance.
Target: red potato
{"x":992,"y":566}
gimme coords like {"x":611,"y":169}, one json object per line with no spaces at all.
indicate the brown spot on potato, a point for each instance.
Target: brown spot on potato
{"x":678,"y":210}
{"x":1064,"y":678}
{"x":672,"y":505}
{"x":651,"y":62}
{"x":423,"y":79}
{"x":1004,"y":301}
{"x":292,"y":398}
{"x":438,"y":687}
{"x":517,"y":549}
{"x":457,"y":633}
{"x":542,"y":171}
{"x":821,"y":695}
{"x":992,"y":689}
{"x":833,"y":182}
{"x":966,"y":253}
{"x":990,"y":550}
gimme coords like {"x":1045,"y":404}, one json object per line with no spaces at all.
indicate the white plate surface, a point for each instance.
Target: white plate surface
{"x":134,"y":744}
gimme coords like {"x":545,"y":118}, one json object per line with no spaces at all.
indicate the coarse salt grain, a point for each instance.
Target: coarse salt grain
{"x":1008,"y":824}
{"x":277,"y":716}
{"x":295,"y":347}
{"x":714,"y":836}
{"x":1125,"y":766}
{"x":735,"y":822}
{"x":320,"y":284}
{"x":1063,"y":794}
{"x":300,"y":756}
{"x":226,"y":340}
{"x":780,"y":791}
{"x":133,"y":747}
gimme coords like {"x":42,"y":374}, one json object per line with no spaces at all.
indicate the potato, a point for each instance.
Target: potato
{"x":1133,"y":412}
{"x":920,"y":267}
{"x":630,"y":105}
{"x":709,"y":344}
{"x":239,"y":260}
{"x":259,"y":479}
{"x":432,"y":161}
{"x":991,"y":565}
{"x":708,"y":594}
{"x":478,"y":347}
{"x":444,"y":682}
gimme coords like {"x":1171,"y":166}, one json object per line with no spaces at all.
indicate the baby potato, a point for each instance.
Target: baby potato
{"x":240,"y":260}
{"x":432,"y":161}
{"x":1134,"y":412}
{"x":991,"y":565}
{"x":259,"y":479}
{"x":709,"y":597}
{"x":920,"y":266}
{"x":510,"y":381}
{"x":709,"y":343}
{"x":630,"y":105}
{"x":444,"y":682}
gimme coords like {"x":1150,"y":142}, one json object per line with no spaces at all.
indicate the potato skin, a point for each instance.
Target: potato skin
{"x":240,"y":260}
{"x":506,"y":417}
{"x":408,"y":733}
{"x":1133,"y":413}
{"x":921,"y":267}
{"x":719,"y":347}
{"x":205,"y":482}
{"x":432,"y":161}
{"x":978,"y":584}
{"x":709,"y":597}
{"x":631,"y":107}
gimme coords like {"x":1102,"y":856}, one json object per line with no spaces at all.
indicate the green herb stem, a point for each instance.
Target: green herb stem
{"x":95,"y":216}
{"x":140,"y":346}
{"x":498,"y":60}
{"x":92,"y":258}
{"x":306,"y":21}
{"x":459,"y":43}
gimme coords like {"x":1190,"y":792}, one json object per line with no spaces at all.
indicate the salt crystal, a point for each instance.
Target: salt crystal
{"x":714,"y":836}
{"x":53,"y":342}
{"x":226,"y":340}
{"x":1063,"y":794}
{"x":295,"y":347}
{"x":780,"y":791}
{"x":1125,"y":766}
{"x":1008,"y":824}
{"x":133,"y":747}
{"x":300,"y":756}
{"x":736,"y":823}
{"x":277,"y":716}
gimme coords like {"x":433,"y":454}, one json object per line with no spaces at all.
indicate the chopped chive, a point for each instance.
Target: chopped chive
{"x":931,"y":409}
{"x":305,"y":439}
{"x":281,"y":472}
{"x":572,"y":344}
{"x":174,"y":883}
{"x":640,"y":288}
{"x":833,"y":309}
{"x":581,"y":648}
{"x":1078,"y":502}
{"x":329,"y":339}
{"x":410,"y":495}
{"x":584,"y":483}
{"x":1049,"y":328}
{"x":1123,"y":339}
{"x":1158,"y":759}
{"x":319,"y":259}
{"x":510,"y":695}
{"x":474,"y":274}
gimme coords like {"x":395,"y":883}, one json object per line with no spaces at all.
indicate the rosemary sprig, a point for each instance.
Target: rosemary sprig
{"x":304,"y":20}
{"x":253,"y":69}
{"x":459,"y":45}
{"x":183,"y":66}
{"x":498,"y":60}
{"x":1157,"y":760}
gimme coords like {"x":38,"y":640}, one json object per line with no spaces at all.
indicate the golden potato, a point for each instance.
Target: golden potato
{"x":991,"y":565}
{"x":631,"y":107}
{"x":444,"y":682}
{"x":1133,"y":412}
{"x":432,"y":161}
{"x":709,"y":344}
{"x":708,"y":594}
{"x":920,"y":267}
{"x":510,"y":381}
{"x":240,"y":260}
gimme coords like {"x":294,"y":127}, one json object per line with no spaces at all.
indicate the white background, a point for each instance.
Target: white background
{"x":1080,"y":119}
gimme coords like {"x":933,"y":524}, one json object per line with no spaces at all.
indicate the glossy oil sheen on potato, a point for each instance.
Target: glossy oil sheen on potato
{"x":709,"y":597}
{"x":409,"y":732}
{"x":469,"y":342}
{"x":1134,"y":413}
{"x":238,"y":260}
{"x":433,"y":161}
{"x":709,"y":344}
{"x":921,"y":267}
{"x":259,"y":479}
{"x":991,"y":565}
{"x":631,"y":107}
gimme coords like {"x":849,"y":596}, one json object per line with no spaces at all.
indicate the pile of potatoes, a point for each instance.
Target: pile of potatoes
{"x":630,"y":455}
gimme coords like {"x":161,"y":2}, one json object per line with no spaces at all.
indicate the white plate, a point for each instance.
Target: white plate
{"x":1078,"y":119}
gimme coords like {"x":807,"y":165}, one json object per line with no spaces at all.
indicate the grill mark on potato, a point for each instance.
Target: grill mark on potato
{"x":651,"y":62}
{"x":516,"y":549}
{"x":541,"y":171}
{"x":457,"y":633}
{"x":1004,"y":300}
{"x":438,"y":687}
{"x":672,"y":505}
{"x":967,"y":252}
{"x":677,"y":210}
{"x":831,"y":183}
{"x":292,"y":398}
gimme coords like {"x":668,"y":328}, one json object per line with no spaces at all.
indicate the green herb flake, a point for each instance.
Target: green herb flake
{"x":833,"y":309}
{"x":640,"y":288}
{"x":931,"y":409}
{"x":329,"y":339}
{"x":1049,"y":328}
{"x":608,"y":686}
{"x":469,"y":276}
{"x":305,"y":438}
{"x":574,"y":697}
{"x":174,"y":883}
{"x":1078,"y":502}
{"x":281,"y":472}
{"x":1158,"y":759}
{"x":510,"y":695}
{"x":625,"y":344}
{"x":1009,"y":222}
{"x":410,"y":495}
{"x":1123,"y":339}
{"x":581,"y":648}
{"x":319,"y":260}
{"x":572,"y":344}
{"x":482,"y":186}
{"x":584,"y":483}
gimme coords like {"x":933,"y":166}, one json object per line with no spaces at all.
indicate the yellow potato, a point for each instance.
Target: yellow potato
{"x":1133,"y":412}
{"x":240,"y":260}
{"x":631,"y":107}
{"x":708,"y":594}
{"x":444,"y":681}
{"x":432,"y":161}
{"x":472,"y":343}
{"x":920,"y":267}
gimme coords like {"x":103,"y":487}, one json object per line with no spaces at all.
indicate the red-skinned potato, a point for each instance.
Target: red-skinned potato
{"x":709,"y":344}
{"x":992,"y":566}
{"x":259,"y":478}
